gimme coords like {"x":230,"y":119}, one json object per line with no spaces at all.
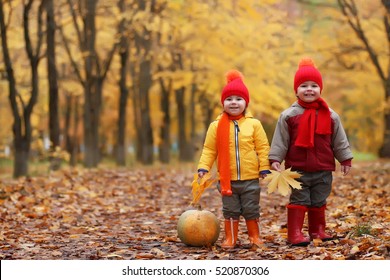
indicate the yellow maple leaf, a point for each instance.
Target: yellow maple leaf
{"x":282,"y":181}
{"x":199,"y":185}
{"x":273,"y":185}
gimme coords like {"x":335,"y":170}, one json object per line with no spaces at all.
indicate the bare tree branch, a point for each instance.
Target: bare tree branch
{"x":71,"y":58}
{"x":350,"y":11}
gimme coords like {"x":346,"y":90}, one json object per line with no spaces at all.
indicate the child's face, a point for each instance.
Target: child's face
{"x":234,"y":105}
{"x":308,"y":91}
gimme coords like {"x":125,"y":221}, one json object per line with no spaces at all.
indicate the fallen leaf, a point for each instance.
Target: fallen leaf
{"x":282,"y":181}
{"x":199,"y":185}
{"x":354,"y":249}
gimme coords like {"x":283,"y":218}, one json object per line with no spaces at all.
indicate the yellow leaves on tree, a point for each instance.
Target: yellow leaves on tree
{"x":282,"y":181}
{"x":199,"y":185}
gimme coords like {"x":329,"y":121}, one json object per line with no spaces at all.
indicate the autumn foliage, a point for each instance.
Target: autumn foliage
{"x":133,"y":214}
{"x":160,"y":67}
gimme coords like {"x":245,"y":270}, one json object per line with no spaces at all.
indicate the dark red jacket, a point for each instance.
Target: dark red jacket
{"x":326,"y":147}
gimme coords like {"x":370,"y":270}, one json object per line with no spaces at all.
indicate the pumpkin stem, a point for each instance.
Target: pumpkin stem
{"x":198,"y":207}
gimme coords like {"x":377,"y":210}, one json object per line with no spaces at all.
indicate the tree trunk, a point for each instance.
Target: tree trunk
{"x":185,"y":148}
{"x":143,"y":44}
{"x":165,"y":135}
{"x":22,"y":110}
{"x":71,"y":137}
{"x":136,"y":98}
{"x":76,"y":139}
{"x":384,"y":151}
{"x":95,"y":72}
{"x":91,"y":90}
{"x":17,"y":122}
{"x":68,"y":114}
{"x":146,"y":128}
{"x":22,"y":152}
{"x":137,"y":114}
{"x":207,"y":111}
{"x":90,"y":135}
{"x":92,"y":102}
{"x":54,"y":127}
{"x":120,"y":150}
{"x":121,"y":142}
{"x":193,"y":119}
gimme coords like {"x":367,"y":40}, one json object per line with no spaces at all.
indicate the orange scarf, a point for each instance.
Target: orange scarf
{"x":223,"y":133}
{"x":309,"y":123}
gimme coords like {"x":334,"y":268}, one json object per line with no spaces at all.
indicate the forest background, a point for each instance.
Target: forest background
{"x":138,"y":82}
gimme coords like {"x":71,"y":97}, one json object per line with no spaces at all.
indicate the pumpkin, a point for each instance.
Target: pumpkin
{"x":198,"y":228}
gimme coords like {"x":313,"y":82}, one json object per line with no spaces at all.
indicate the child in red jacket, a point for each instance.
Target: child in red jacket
{"x":308,"y":137}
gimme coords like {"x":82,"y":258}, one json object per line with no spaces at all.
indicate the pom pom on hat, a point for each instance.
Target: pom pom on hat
{"x":232,"y":75}
{"x":307,"y":61}
{"x":307,"y":72}
{"x":235,"y":86}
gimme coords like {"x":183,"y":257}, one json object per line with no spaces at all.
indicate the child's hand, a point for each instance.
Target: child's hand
{"x":276,"y":166}
{"x":201,"y":173}
{"x":345,"y":169}
{"x":264,"y":173}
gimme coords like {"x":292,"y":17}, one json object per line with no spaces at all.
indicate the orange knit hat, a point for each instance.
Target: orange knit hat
{"x":235,"y":86}
{"x":307,"y":72}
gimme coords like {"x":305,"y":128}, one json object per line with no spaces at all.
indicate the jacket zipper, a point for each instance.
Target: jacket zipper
{"x":236,"y":131}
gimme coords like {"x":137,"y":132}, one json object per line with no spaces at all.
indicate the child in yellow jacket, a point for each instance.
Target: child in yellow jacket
{"x":239,"y":145}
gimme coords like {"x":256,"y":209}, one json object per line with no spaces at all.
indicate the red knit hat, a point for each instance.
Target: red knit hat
{"x":307,"y":72}
{"x":235,"y":86}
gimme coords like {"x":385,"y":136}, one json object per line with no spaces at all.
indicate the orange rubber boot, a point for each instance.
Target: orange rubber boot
{"x":254,"y":232}
{"x":231,"y":233}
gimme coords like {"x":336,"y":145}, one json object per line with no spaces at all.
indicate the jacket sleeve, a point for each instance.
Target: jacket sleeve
{"x":280,"y":141}
{"x":341,"y":147}
{"x":209,"y":151}
{"x":262,"y":147}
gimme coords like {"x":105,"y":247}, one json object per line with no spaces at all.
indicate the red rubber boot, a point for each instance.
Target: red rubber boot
{"x":295,"y":218}
{"x":317,"y":223}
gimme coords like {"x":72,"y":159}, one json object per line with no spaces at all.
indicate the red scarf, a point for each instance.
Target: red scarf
{"x":223,"y":133}
{"x":309,"y":123}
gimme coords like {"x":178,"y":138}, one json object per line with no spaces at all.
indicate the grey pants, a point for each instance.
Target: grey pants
{"x":244,"y":201}
{"x":316,"y":187}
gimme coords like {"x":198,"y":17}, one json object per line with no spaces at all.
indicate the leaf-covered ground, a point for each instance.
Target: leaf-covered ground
{"x":132,"y":214}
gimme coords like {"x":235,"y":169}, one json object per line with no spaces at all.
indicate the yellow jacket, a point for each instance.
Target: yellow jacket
{"x":248,"y":146}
